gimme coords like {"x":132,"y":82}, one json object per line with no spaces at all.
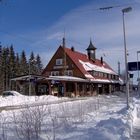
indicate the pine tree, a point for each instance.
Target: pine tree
{"x":1,"y":79}
{"x":17,"y":65}
{"x":0,"y":53}
{"x":12,"y":65}
{"x":5,"y":68}
{"x":39,"y":65}
{"x":0,"y":58}
{"x":12,"y":62}
{"x":23,"y":64}
{"x":32,"y":64}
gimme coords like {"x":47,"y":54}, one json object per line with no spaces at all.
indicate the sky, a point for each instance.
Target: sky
{"x":40,"y":25}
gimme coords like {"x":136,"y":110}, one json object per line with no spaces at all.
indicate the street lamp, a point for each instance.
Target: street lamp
{"x":138,"y":71}
{"x":126,"y":10}
{"x":138,"y":65}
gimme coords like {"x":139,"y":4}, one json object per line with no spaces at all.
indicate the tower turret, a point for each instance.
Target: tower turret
{"x":91,"y":51}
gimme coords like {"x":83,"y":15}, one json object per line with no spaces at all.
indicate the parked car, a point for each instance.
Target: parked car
{"x":10,"y":93}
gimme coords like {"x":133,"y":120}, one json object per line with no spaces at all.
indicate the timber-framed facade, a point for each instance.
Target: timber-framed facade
{"x":72,"y":73}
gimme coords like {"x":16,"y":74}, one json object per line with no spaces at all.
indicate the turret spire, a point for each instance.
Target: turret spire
{"x":91,"y":51}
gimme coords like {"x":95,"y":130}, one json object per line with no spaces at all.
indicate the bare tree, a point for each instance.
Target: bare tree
{"x":28,"y":124}
{"x":3,"y":127}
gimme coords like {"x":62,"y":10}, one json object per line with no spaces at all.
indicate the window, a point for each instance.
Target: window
{"x":69,"y":72}
{"x":105,"y":75}
{"x":116,"y":77}
{"x":87,"y":87}
{"x":100,"y":74}
{"x":95,"y":73}
{"x":59,"y":61}
{"x":109,"y":76}
{"x":55,"y":73}
{"x":90,"y":72}
{"x":42,"y":89}
{"x":112,"y":77}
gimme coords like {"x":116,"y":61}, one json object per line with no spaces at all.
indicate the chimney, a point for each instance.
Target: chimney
{"x":101,"y":60}
{"x":72,"y":49}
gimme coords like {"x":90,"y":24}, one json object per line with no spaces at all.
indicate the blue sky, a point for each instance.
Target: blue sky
{"x":39,"y":25}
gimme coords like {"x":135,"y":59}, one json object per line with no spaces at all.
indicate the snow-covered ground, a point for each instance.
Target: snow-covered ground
{"x":91,"y":118}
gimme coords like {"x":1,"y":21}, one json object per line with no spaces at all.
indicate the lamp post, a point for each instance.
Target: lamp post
{"x":138,"y":65}
{"x":29,"y":78}
{"x":126,"y":10}
{"x":138,"y":70}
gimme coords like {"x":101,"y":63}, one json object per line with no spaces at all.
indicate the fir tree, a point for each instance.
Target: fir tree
{"x":39,"y":65}
{"x":5,"y":68}
{"x":32,"y":64}
{"x":12,"y":62}
{"x":0,"y":58}
{"x":23,"y":64}
{"x":12,"y":65}
{"x":1,"y":77}
{"x":17,"y":65}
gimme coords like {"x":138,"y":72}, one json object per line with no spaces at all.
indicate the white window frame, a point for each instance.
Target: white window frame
{"x":69,"y":72}
{"x":59,"y":61}
{"x":54,"y":73}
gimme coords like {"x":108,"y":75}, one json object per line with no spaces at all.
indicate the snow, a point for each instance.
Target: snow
{"x":88,"y":76}
{"x":68,"y":78}
{"x":24,"y":100}
{"x":103,"y":117}
{"x":89,"y":67}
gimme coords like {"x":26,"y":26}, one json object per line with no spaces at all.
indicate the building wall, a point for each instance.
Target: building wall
{"x":52,"y":67}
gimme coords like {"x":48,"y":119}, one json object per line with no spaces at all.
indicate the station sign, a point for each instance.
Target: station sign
{"x":133,"y":66}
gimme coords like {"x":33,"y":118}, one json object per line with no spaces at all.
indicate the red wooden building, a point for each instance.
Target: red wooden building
{"x":72,"y":73}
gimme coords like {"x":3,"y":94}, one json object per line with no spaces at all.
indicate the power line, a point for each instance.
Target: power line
{"x":106,"y":7}
{"x":116,"y":6}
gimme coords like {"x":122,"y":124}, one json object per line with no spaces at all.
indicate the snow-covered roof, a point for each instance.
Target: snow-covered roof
{"x":85,"y":64}
{"x":66,"y":78}
{"x":88,"y":66}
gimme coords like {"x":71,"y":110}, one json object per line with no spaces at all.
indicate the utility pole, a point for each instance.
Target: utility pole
{"x":126,"y":10}
{"x":64,"y":61}
{"x":119,"y":69}
{"x":138,"y":79}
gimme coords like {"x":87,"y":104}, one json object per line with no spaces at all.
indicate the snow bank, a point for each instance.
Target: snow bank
{"x":95,"y":118}
{"x":113,"y":128}
{"x":22,"y":100}
{"x":132,"y":115}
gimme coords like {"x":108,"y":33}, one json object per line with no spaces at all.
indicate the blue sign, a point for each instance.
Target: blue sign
{"x":133,"y":66}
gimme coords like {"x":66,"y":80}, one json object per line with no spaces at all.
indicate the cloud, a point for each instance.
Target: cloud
{"x":104,"y":27}
{"x":57,"y":35}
